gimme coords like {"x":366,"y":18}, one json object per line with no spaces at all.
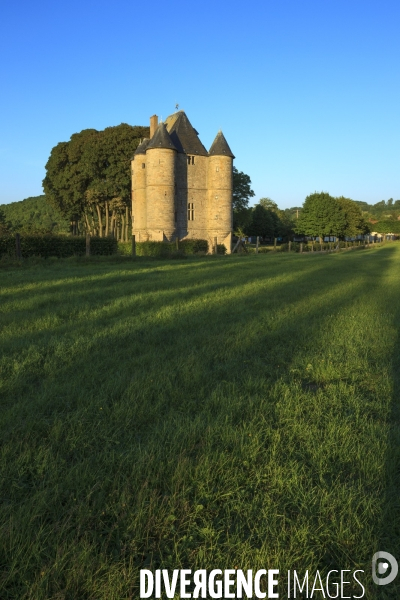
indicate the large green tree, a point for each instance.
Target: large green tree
{"x":283,"y":224}
{"x":321,"y":216}
{"x":263,"y":223}
{"x":242,"y":192}
{"x":89,"y":177}
{"x":355,"y":222}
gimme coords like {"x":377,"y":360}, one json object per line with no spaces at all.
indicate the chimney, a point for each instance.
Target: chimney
{"x":153,"y":125}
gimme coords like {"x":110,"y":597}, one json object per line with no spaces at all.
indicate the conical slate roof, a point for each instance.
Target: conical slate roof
{"x":161,"y":139}
{"x":220,"y":146}
{"x":184,"y":135}
{"x":141,"y":149}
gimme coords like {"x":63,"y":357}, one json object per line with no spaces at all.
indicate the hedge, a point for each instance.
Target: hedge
{"x":59,"y":246}
{"x":165,"y":249}
{"x":386,"y":227}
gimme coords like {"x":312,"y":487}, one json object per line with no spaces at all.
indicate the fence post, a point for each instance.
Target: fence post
{"x":301,"y":247}
{"x":258,"y":239}
{"x":312,"y":245}
{"x":215,"y":245}
{"x":133,"y":245}
{"x":290,"y":245}
{"x":87,"y":244}
{"x":18,"y":245}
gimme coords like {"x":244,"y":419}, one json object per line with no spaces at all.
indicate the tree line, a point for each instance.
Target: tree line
{"x":321,"y":215}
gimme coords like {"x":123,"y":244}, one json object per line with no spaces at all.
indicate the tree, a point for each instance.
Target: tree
{"x":355,"y":222}
{"x":89,"y":177}
{"x":262,"y":223}
{"x":269,"y":204}
{"x":4,"y":225}
{"x":386,"y":227}
{"x":321,"y":216}
{"x":242,"y":191}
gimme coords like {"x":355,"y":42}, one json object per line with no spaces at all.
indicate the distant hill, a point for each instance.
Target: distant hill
{"x":34,"y":214}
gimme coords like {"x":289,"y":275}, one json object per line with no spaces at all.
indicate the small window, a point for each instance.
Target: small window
{"x":190,"y":160}
{"x":143,"y":165}
{"x":190,"y":211}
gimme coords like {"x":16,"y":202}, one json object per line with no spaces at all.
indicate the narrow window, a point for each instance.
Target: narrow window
{"x":189,"y":157}
{"x":190,"y":211}
{"x":192,"y":160}
{"x":143,"y":165}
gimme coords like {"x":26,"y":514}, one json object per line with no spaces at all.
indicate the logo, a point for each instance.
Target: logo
{"x":381,"y":561}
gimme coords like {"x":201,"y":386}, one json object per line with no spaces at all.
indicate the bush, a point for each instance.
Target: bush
{"x":58,"y":246}
{"x":155,"y":249}
{"x":125,"y":248}
{"x":167,"y":249}
{"x":193,"y":246}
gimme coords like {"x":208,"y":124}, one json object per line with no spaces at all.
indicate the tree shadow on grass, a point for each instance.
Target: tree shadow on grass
{"x":185,"y":449}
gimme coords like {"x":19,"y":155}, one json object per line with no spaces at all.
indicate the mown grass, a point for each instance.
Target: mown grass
{"x":206,"y":413}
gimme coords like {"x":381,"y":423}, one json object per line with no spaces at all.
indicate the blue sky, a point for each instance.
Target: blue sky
{"x":307,"y":92}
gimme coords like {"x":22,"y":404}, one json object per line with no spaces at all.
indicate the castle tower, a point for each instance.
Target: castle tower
{"x":160,"y":186}
{"x":139,"y":224}
{"x":220,"y":189}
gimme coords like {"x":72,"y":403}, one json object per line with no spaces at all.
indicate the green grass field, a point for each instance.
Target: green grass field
{"x":221,"y":412}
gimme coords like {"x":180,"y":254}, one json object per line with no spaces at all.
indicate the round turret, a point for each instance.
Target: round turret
{"x":160,"y":185}
{"x":220,"y":191}
{"x":139,"y":191}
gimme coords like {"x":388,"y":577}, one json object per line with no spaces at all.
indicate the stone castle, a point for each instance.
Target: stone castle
{"x":179,"y":190}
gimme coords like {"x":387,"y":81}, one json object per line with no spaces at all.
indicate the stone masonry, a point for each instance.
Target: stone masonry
{"x":179,"y":190}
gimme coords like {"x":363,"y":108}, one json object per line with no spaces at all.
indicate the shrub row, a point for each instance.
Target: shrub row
{"x":59,"y":246}
{"x":169,"y":249}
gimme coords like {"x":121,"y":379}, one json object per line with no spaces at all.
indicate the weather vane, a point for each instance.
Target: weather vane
{"x":176,"y":106}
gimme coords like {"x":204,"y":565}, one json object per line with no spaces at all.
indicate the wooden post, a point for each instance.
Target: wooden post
{"x":236,"y":246}
{"x":301,"y":247}
{"x":257,"y":242}
{"x":312,"y":245}
{"x":215,"y":245}
{"x":290,"y":245}
{"x":87,"y":244}
{"x":18,"y":246}
{"x":133,"y":246}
